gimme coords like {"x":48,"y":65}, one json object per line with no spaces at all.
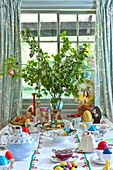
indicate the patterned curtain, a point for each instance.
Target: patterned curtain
{"x":10,"y":90}
{"x":104,"y":57}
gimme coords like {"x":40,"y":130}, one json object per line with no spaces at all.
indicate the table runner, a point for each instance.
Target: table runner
{"x":82,"y":161}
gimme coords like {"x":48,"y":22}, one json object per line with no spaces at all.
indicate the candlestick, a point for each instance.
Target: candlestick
{"x":34,"y":106}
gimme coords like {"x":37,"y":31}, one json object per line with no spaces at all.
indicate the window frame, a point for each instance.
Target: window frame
{"x":58,"y":12}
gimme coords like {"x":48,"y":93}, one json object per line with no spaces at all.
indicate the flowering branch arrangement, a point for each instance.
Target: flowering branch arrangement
{"x":53,"y":74}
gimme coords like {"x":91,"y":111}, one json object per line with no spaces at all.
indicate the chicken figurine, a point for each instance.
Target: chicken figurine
{"x":10,"y":157}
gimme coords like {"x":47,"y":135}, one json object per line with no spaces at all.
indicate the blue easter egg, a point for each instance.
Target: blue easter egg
{"x":4,"y":161}
{"x":107,"y":151}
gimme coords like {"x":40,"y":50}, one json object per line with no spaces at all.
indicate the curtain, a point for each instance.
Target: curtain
{"x":104,"y":58}
{"x":10,"y":89}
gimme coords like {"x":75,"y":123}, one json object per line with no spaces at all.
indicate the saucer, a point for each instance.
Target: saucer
{"x":55,"y":159}
{"x":76,"y":150}
{"x":97,"y":160}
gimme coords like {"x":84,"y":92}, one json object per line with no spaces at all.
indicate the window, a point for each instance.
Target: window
{"x":46,"y":27}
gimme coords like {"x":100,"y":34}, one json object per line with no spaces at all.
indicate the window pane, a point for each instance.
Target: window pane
{"x":30,"y":21}
{"x":48,"y":27}
{"x":74,"y":45}
{"x":88,"y":75}
{"x":50,"y":48}
{"x":87,"y":27}
{"x":91,"y":58}
{"x":68,"y":24}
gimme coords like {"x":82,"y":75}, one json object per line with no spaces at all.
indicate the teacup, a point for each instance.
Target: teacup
{"x":14,"y":129}
{"x":68,"y":124}
{"x":100,"y":154}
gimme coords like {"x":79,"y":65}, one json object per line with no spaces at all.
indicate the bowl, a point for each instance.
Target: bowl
{"x":63,"y":154}
{"x":88,"y":123}
{"x":59,"y":136}
{"x":33,"y":126}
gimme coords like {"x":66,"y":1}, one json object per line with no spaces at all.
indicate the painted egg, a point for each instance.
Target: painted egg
{"x":4,"y":161}
{"x":11,"y":72}
{"x":69,"y":165}
{"x":58,"y":126}
{"x":63,"y":164}
{"x":67,"y":168}
{"x":74,"y":164}
{"x":9,"y":155}
{"x":58,"y":168}
{"x":64,"y":167}
{"x":73,"y":168}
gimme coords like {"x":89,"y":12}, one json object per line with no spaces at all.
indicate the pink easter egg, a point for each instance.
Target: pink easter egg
{"x":67,"y":169}
{"x":11,"y":72}
{"x":69,"y":165}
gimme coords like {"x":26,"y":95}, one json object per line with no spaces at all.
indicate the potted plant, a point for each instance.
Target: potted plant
{"x":53,"y":74}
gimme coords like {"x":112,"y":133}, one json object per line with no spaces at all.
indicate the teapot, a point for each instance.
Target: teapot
{"x":21,"y":145}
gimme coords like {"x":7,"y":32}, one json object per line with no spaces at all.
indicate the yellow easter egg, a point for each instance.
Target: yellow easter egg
{"x":63,"y":164}
{"x":74,"y":164}
{"x":59,"y":168}
{"x":73,"y":168}
{"x":83,"y":125}
{"x":58,"y":126}
{"x":87,"y":116}
{"x":27,"y":120}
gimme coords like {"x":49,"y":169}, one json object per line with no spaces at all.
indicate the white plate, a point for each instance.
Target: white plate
{"x":76,"y":150}
{"x":54,"y":159}
{"x":97,"y":160}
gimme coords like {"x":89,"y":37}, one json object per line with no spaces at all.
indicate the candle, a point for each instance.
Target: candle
{"x":34,"y":106}
{"x":84,"y":99}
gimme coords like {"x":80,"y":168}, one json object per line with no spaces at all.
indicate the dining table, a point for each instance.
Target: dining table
{"x":43,"y":157}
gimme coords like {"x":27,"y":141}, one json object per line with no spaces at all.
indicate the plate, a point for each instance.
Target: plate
{"x":109,"y":141}
{"x":54,"y":159}
{"x":17,"y":123}
{"x":76,"y":150}
{"x":97,"y":160}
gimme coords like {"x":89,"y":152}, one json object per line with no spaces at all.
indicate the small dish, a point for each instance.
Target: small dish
{"x":33,"y":127}
{"x":97,"y":160}
{"x":76,"y":150}
{"x":55,"y":159}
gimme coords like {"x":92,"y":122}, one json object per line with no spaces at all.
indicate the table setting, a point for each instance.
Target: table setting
{"x":68,"y":141}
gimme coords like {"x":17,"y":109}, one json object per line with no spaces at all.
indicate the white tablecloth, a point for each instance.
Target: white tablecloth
{"x":44,"y":161}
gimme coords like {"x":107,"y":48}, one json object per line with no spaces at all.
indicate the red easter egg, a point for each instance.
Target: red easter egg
{"x":11,"y":72}
{"x":102,"y":145}
{"x":25,"y":130}
{"x":9,"y":155}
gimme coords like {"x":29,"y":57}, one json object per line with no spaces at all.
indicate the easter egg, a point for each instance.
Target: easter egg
{"x":74,"y":164}
{"x":58,"y":168}
{"x":58,"y":126}
{"x":27,"y":120}
{"x":24,"y":129}
{"x":73,"y":168}
{"x":9,"y":155}
{"x":63,"y":164}
{"x":64,"y":167}
{"x":4,"y":161}
{"x":67,"y":168}
{"x":87,"y":116}
{"x":69,"y":165}
{"x":11,"y":72}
